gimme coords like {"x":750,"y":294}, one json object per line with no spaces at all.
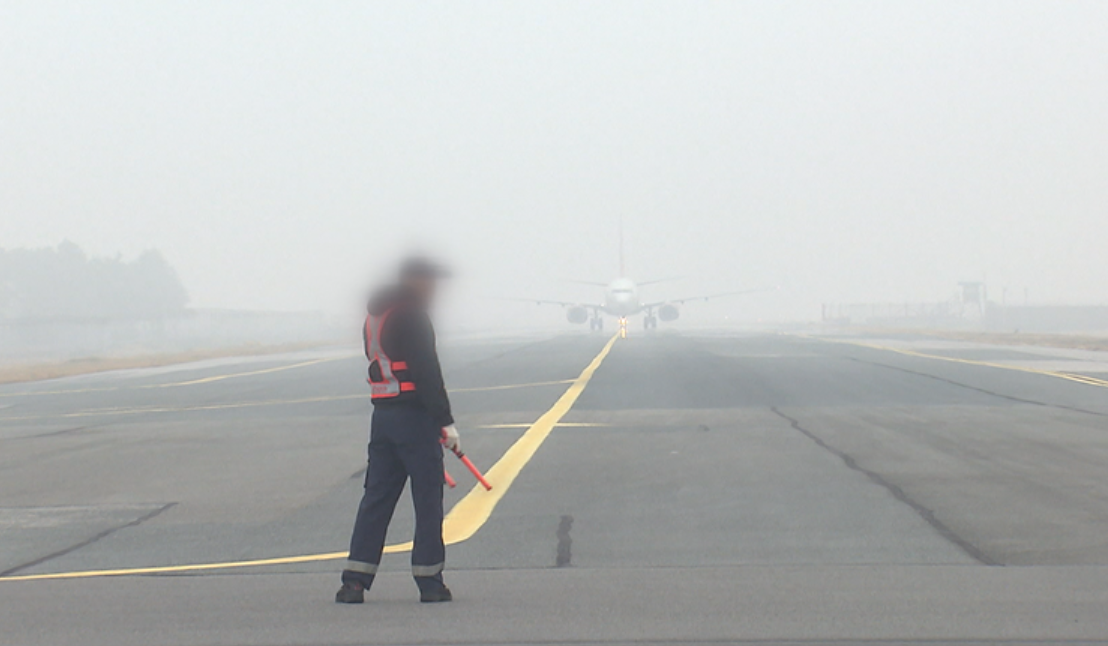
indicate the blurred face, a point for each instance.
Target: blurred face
{"x":423,"y":286}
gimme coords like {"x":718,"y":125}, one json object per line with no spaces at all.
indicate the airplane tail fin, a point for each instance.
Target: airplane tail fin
{"x":622,"y":266}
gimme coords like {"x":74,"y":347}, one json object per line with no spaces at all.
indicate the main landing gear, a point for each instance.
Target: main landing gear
{"x":650,"y":323}
{"x":596,"y":324}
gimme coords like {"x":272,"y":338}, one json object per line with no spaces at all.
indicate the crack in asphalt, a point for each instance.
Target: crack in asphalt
{"x":952,"y":382}
{"x":984,"y":391}
{"x":926,"y":514}
{"x":85,"y":543}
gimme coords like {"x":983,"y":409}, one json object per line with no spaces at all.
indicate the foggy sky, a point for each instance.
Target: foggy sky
{"x":280,"y":153}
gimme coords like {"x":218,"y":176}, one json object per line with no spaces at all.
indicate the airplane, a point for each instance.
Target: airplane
{"x":621,"y":300}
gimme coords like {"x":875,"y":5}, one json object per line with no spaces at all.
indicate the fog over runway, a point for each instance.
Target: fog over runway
{"x":693,"y":487}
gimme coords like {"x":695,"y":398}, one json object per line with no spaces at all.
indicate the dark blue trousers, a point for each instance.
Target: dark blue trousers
{"x":404,"y":445}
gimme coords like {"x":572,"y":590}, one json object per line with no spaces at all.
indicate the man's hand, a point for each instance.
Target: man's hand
{"x":450,"y":438}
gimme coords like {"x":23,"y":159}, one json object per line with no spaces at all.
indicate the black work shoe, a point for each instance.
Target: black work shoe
{"x":436,"y":596}
{"x":350,"y":592}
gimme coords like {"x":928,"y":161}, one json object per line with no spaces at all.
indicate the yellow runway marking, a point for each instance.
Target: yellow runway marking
{"x":107,"y":412}
{"x":101,"y":412}
{"x":61,"y":392}
{"x":168,"y":569}
{"x":214,"y":378}
{"x":191,"y":382}
{"x":251,"y":373}
{"x":511,"y":386}
{"x":463,"y":521}
{"x":559,"y":425}
{"x":1081,"y":379}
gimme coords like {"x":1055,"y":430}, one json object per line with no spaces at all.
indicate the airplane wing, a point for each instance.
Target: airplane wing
{"x":682,"y":301}
{"x":645,"y":282}
{"x":542,"y":301}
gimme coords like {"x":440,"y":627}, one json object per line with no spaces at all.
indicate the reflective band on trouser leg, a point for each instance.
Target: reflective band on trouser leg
{"x":427,"y":570}
{"x":358,"y":566}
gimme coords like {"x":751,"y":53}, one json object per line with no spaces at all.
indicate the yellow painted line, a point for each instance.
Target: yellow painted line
{"x":1084,"y":379}
{"x":471,"y":512}
{"x":534,"y":384}
{"x":61,"y":392}
{"x":463,"y":521}
{"x":75,"y":391}
{"x":559,"y":425}
{"x":165,"y":569}
{"x":251,"y":373}
{"x":512,"y":386}
{"x":139,"y":410}
{"x":102,"y":412}
{"x":1081,"y":379}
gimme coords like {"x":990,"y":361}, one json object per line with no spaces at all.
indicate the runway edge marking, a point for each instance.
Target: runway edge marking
{"x":464,"y":520}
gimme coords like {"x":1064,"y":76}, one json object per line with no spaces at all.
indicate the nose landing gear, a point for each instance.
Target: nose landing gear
{"x":623,"y":327}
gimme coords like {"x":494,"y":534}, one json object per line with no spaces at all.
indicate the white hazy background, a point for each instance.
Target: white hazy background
{"x":280,"y":154}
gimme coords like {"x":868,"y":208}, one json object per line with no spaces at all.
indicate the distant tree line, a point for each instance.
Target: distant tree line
{"x":66,"y":283}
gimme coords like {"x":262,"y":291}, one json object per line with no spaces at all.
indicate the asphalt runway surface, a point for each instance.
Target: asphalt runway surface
{"x":704,"y":488}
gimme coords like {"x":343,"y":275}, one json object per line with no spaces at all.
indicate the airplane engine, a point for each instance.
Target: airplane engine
{"x":577,"y":314}
{"x":668,"y":312}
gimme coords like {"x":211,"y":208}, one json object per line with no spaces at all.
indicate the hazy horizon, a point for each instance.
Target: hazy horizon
{"x":281,"y":155}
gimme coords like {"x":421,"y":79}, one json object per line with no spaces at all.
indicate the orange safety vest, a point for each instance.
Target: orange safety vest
{"x":389,"y":385}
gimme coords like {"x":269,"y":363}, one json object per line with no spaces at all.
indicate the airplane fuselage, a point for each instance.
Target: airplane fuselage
{"x":621,"y":298}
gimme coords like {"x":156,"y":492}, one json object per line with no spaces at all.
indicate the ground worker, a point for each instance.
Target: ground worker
{"x":411,"y":424}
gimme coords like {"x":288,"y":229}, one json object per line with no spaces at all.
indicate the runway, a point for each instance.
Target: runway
{"x":688,"y":487}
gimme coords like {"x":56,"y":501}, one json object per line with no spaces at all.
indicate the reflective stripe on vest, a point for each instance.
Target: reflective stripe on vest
{"x":389,"y":385}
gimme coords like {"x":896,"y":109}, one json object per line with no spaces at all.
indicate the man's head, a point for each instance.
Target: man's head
{"x":420,"y":276}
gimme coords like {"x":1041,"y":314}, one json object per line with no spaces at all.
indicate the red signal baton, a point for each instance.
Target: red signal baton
{"x":473,"y":469}
{"x":449,"y":481}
